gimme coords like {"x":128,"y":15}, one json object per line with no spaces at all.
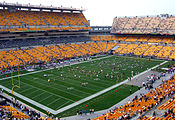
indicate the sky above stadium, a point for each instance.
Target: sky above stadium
{"x":102,"y":12}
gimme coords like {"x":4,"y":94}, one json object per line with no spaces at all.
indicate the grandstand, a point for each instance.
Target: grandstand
{"x":65,"y":65}
{"x":23,"y":18}
{"x":160,"y":24}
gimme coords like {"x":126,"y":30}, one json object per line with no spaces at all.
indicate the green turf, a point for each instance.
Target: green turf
{"x":103,"y":101}
{"x":66,"y":88}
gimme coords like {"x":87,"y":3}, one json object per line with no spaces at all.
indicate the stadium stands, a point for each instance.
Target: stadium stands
{"x":169,"y":113}
{"x":146,"y":50}
{"x":50,"y":53}
{"x":128,"y":49}
{"x":11,"y":112}
{"x":144,"y":25}
{"x":144,"y":46}
{"x":151,"y":39}
{"x":41,"y":21}
{"x":168,"y":105}
{"x":153,"y":50}
{"x":141,"y":49}
{"x":165,"y":52}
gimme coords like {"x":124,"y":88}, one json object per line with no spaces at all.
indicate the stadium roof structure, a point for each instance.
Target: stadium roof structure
{"x":39,"y":7}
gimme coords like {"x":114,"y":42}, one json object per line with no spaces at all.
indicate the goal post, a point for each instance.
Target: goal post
{"x":13,"y":84}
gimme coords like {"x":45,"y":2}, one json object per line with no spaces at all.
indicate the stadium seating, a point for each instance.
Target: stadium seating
{"x":129,"y":49}
{"x":143,"y":39}
{"x":15,"y":113}
{"x":120,"y":48}
{"x":146,"y":50}
{"x":165,"y":52}
{"x":153,"y":50}
{"x":131,"y":39}
{"x":95,"y":38}
{"x":153,"y":24}
{"x":146,"y":39}
{"x":126,"y":49}
{"x":167,"y":40}
{"x":168,"y":105}
{"x":131,"y":23}
{"x":50,"y":53}
{"x":108,"y":38}
{"x":39,"y":20}
{"x":141,"y":49}
{"x":155,"y":40}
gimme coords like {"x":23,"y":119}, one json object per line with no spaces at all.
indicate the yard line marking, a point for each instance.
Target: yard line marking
{"x":45,"y":98}
{"x":57,"y":89}
{"x":63,"y":104}
{"x":48,"y":92}
{"x":38,"y":95}
{"x":25,"y":90}
{"x":71,"y":84}
{"x":53,"y":101}
{"x":75,"y":88}
{"x":32,"y":92}
{"x":87,"y":80}
{"x":74,"y":85}
{"x":66,"y":81}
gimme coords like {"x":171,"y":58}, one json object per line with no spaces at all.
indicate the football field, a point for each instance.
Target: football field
{"x":57,"y":88}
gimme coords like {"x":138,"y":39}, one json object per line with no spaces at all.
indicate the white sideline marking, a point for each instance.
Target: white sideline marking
{"x":78,"y":102}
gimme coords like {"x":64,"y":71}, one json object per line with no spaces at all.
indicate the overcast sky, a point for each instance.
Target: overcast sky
{"x":102,"y":12}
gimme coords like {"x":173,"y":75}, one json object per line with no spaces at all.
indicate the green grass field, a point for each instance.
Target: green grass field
{"x":103,"y":101}
{"x":65,"y":86}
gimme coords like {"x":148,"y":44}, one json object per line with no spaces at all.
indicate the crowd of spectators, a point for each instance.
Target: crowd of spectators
{"x":146,"y":25}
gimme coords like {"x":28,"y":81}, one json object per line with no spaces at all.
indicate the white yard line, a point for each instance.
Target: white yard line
{"x":78,"y":86}
{"x":38,"y":95}
{"x":25,"y":90}
{"x":32,"y":92}
{"x":46,"y":98}
{"x":63,"y":104}
{"x":78,"y":102}
{"x":57,"y":88}
{"x":49,"y":92}
{"x":53,"y":101}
